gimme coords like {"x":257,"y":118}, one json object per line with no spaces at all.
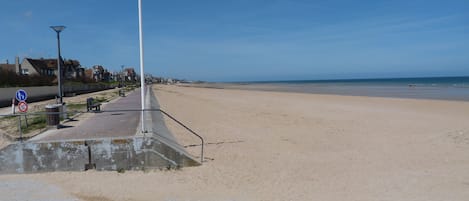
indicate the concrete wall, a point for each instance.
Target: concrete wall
{"x":47,"y":92}
{"x":107,"y":154}
{"x":6,"y":94}
{"x":32,"y":157}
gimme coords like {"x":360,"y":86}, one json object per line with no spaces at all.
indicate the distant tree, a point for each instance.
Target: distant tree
{"x":8,"y":78}
{"x":11,"y":79}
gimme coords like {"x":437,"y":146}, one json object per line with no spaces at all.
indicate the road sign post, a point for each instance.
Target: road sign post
{"x":22,"y":106}
{"x":21,"y":95}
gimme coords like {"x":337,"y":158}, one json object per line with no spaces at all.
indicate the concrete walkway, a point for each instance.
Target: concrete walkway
{"x":6,"y":111}
{"x":101,"y":125}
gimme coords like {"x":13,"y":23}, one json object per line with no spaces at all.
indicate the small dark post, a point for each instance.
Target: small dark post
{"x":90,"y":165}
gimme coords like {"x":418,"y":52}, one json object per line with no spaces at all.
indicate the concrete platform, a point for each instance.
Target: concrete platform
{"x":112,"y":154}
{"x":105,"y":141}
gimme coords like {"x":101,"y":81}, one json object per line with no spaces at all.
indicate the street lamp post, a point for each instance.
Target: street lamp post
{"x":58,"y":29}
{"x":142,"y":82}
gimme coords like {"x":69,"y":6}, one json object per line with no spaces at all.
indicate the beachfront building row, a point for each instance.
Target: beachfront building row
{"x":71,"y":69}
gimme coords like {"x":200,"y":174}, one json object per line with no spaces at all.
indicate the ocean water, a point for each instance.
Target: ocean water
{"x":443,"y":88}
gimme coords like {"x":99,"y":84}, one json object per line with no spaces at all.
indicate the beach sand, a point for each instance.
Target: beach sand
{"x":290,"y":146}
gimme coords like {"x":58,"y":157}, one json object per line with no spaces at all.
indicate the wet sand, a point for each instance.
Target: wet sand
{"x":292,"y":146}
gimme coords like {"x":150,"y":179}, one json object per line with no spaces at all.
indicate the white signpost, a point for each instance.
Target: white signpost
{"x":13,"y":106}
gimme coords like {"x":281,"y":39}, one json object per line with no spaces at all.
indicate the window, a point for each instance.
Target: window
{"x":25,"y":71}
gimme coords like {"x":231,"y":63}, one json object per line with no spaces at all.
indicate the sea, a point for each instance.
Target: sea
{"x":440,"y":88}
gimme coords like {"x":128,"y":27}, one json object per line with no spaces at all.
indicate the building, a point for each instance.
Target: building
{"x":130,"y":75}
{"x":16,"y":67}
{"x":7,"y":67}
{"x":89,"y":73}
{"x":43,"y":67}
{"x":71,"y":69}
{"x":98,"y":73}
{"x":107,"y":76}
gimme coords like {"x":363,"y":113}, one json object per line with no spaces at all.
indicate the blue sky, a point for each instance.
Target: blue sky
{"x":248,"y":40}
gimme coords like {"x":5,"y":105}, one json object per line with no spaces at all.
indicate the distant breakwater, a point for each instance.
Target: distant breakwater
{"x":49,"y":92}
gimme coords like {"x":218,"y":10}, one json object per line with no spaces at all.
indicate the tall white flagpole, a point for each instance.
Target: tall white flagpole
{"x":142,"y":74}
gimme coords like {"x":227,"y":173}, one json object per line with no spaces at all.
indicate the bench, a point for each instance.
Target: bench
{"x":92,"y":104}
{"x":122,"y":93}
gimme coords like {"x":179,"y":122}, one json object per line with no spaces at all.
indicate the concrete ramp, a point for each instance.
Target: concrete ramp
{"x":112,"y":154}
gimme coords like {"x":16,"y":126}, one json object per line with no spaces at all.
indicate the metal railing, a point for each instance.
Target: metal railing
{"x":170,"y":117}
{"x":190,"y":130}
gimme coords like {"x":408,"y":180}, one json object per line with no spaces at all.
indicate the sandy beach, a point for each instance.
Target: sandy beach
{"x":291,"y":146}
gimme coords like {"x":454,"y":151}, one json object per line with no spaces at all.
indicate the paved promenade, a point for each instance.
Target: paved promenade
{"x":5,"y":110}
{"x":101,"y":125}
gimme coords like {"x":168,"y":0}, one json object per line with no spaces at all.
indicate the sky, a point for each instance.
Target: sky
{"x":247,"y":40}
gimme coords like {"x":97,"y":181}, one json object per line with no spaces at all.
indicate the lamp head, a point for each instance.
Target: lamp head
{"x":57,"y":29}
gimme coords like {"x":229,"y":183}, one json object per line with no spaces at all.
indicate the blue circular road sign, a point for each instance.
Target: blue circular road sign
{"x":21,"y":95}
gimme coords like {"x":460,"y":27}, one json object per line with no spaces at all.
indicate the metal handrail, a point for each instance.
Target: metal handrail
{"x":187,"y":128}
{"x":168,"y":115}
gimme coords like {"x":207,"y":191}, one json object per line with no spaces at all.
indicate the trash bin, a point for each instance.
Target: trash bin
{"x":53,"y":119}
